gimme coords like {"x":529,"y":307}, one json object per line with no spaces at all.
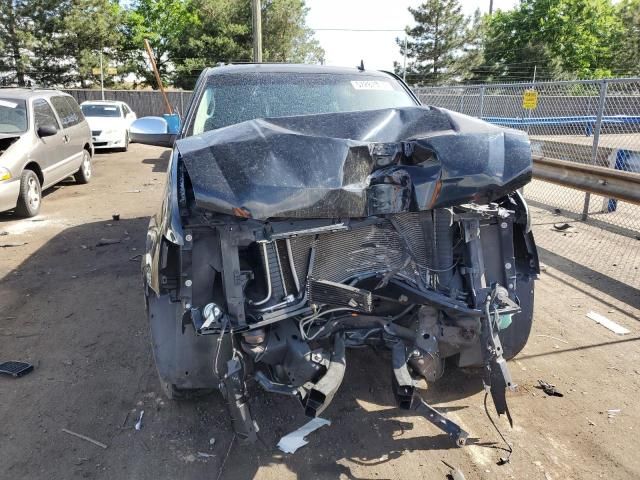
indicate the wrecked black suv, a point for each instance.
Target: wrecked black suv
{"x":311,"y":209}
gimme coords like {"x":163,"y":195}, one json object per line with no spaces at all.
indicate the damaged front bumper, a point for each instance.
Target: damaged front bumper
{"x":281,"y":301}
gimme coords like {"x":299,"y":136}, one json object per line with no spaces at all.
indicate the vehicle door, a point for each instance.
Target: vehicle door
{"x":81,"y":129}
{"x":49,"y":152}
{"x":75,"y":135}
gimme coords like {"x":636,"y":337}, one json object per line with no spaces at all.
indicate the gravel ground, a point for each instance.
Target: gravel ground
{"x":75,"y":311}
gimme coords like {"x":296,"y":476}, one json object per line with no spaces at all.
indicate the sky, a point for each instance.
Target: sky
{"x":377,"y":49}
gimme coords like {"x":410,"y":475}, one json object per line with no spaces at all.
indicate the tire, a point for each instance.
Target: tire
{"x":515,"y":336}
{"x":83,"y":175}
{"x":126,"y":143}
{"x":30,"y":196}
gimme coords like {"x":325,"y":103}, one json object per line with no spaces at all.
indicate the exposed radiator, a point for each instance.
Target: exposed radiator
{"x":396,"y":244}
{"x":370,"y":249}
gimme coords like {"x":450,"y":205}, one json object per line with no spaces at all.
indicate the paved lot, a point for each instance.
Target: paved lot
{"x":75,"y":310}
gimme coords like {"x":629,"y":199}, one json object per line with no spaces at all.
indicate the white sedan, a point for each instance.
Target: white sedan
{"x":109,"y":121}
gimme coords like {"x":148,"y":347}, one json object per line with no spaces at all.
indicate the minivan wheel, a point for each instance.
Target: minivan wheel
{"x":83,"y":175}
{"x":30,"y":196}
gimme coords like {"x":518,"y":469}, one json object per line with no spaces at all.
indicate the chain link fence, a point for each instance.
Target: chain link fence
{"x":589,"y":122}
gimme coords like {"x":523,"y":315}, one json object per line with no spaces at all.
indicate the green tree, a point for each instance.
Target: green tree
{"x":166,"y":24}
{"x":469,"y":65}
{"x":91,"y":27}
{"x":628,"y":51}
{"x":222,"y":33}
{"x":16,"y":41}
{"x":435,"y":42}
{"x":25,"y":46}
{"x":286,"y":37}
{"x":562,"y":38}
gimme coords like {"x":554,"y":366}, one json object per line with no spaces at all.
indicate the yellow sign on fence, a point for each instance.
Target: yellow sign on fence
{"x":530,"y":99}
{"x":112,"y":71}
{"x":95,"y":71}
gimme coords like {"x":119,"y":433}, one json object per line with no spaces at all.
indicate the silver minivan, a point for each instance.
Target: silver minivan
{"x":44,"y":138}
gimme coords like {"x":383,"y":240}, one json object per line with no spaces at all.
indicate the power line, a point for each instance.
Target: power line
{"x":357,"y":29}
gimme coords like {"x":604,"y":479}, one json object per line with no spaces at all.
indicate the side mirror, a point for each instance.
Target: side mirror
{"x":46,"y":131}
{"x":152,"y":131}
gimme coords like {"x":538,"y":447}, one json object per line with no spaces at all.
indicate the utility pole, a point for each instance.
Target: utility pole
{"x":490,"y":7}
{"x":256,"y":16}
{"x":101,"y":76}
{"x":404,"y":61}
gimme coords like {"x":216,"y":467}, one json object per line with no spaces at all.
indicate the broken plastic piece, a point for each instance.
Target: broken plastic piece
{"x":605,"y":322}
{"x":296,"y":439}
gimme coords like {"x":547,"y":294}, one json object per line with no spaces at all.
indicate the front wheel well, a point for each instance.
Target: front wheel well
{"x":87,"y":147}
{"x":34,"y":167}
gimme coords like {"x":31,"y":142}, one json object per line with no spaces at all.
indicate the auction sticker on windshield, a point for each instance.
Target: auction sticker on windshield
{"x":5,"y":103}
{"x":371,"y":85}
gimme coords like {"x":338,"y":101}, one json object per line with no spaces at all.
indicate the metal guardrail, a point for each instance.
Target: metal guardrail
{"x":589,"y":178}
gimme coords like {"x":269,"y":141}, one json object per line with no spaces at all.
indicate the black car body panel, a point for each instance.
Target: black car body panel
{"x":354,"y":164}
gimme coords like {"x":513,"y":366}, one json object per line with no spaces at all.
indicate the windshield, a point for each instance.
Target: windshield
{"x":101,"y":110}
{"x":230,"y":99}
{"x":13,"y":116}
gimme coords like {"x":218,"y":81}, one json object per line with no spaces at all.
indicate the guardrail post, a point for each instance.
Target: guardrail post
{"x":481,"y":102}
{"x":596,"y":140}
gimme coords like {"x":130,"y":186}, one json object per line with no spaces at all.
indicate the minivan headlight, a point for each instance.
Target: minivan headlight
{"x":5,"y":174}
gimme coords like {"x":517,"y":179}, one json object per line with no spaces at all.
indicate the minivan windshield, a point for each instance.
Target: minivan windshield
{"x":13,"y":115}
{"x":234,"y":98}
{"x":100,"y":110}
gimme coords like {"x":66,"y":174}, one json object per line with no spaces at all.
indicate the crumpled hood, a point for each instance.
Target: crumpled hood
{"x":354,"y":164}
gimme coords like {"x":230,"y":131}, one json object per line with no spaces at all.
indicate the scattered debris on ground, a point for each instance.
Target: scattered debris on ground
{"x":84,"y":437}
{"x":205,"y":455}
{"x":15,"y":369}
{"x":562,"y":226}
{"x":613,"y":412}
{"x":553,"y":338}
{"x":455,"y":473}
{"x":13,"y":244}
{"x":610,"y":324}
{"x":296,"y":439}
{"x":139,"y":422}
{"x":107,"y":241}
{"x":549,"y":389}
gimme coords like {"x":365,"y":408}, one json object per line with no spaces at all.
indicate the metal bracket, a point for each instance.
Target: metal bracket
{"x":404,"y":391}
{"x":448,"y":426}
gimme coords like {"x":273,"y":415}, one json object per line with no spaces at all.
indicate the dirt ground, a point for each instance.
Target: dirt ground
{"x":75,"y":311}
